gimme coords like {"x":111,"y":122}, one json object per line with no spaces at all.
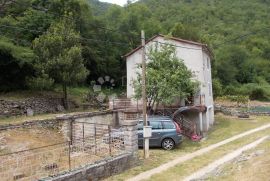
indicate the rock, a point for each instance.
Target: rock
{"x":245,"y":116}
{"x":29,"y":112}
{"x":259,"y":152}
{"x":60,"y":108}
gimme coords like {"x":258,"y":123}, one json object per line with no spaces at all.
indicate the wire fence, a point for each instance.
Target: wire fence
{"x":90,"y":143}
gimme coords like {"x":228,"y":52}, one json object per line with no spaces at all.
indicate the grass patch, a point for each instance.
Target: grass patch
{"x":180,"y":171}
{"x":256,"y":168}
{"x":21,"y":119}
{"x":77,"y":94}
{"x":223,"y":128}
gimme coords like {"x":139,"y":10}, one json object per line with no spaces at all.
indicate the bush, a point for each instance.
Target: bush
{"x":217,"y":88}
{"x":260,"y":93}
{"x":240,"y":99}
{"x":40,"y":83}
{"x":253,"y":90}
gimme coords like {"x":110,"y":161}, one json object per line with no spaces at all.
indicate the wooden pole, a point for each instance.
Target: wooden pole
{"x":146,"y":140}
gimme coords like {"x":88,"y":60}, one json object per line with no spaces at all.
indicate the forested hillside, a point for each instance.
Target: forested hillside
{"x":236,"y":30}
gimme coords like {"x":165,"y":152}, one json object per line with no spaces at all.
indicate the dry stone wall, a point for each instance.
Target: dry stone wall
{"x":31,"y":105}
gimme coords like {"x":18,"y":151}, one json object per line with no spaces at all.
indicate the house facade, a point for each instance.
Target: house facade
{"x":197,"y":58}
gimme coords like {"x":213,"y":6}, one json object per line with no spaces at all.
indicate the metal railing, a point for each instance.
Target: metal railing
{"x":96,"y":142}
{"x":195,"y":100}
{"x":124,"y":104}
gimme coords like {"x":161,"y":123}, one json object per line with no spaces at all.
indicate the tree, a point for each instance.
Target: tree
{"x":185,"y":32}
{"x":167,"y":77}
{"x":15,"y":65}
{"x":59,"y":55}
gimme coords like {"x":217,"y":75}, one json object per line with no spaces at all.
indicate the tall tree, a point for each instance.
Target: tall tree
{"x":59,"y":55}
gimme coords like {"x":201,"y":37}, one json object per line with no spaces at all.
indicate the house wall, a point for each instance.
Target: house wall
{"x":196,"y":60}
{"x":192,"y":56}
{"x":207,"y":90}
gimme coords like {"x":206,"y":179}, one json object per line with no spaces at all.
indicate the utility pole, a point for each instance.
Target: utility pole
{"x":146,"y":134}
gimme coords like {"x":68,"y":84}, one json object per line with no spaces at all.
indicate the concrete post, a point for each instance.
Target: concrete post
{"x":201,"y":122}
{"x":131,"y":136}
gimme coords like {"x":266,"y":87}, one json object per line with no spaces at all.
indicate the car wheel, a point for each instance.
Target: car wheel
{"x":168,"y":144}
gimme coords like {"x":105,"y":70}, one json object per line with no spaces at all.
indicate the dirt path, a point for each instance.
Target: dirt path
{"x":181,"y":159}
{"x":200,"y":173}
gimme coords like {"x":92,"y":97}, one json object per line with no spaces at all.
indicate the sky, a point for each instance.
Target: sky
{"x":119,"y":2}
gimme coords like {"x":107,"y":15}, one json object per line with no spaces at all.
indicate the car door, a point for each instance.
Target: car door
{"x":140,"y":134}
{"x":169,"y":129}
{"x":155,"y":140}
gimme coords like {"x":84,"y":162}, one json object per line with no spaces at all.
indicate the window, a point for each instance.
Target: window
{"x":168,"y":125}
{"x":156,"y":125}
{"x":210,"y":88}
{"x":140,"y":125}
{"x":208,"y":63}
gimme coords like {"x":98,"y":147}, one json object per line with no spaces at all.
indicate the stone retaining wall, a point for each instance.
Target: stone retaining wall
{"x":105,"y":167}
{"x":100,"y":170}
{"x":36,"y":105}
{"x":233,"y":111}
{"x":46,"y":123}
{"x":110,"y":166}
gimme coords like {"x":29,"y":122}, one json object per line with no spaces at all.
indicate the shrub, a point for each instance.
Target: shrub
{"x":217,"y":88}
{"x":259,"y":93}
{"x":40,"y":83}
{"x":253,"y":90}
{"x":240,"y":99}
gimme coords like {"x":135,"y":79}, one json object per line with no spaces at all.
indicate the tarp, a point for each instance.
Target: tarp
{"x":190,"y":109}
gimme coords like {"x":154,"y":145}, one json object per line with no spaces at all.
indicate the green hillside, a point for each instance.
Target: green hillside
{"x":236,"y":30}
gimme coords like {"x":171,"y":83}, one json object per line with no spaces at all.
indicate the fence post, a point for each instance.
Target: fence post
{"x":130,"y":136}
{"x":110,"y":148}
{"x":71,"y":131}
{"x":95,"y":138}
{"x":69,"y":155}
{"x":137,"y":106}
{"x":83,"y":132}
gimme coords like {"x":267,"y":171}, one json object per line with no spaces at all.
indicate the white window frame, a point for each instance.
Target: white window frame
{"x":208,"y":63}
{"x":209,"y":88}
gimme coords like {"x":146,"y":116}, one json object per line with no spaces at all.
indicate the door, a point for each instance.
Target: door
{"x":155,"y":140}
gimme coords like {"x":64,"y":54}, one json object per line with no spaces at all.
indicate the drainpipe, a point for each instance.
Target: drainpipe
{"x":201,"y":123}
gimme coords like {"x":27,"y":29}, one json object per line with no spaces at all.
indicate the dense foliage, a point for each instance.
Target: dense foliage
{"x":236,"y":30}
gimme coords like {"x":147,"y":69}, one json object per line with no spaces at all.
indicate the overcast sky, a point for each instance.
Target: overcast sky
{"x":119,"y":2}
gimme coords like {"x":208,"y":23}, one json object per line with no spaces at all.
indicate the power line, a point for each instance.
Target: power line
{"x":125,"y":44}
{"x":91,"y":39}
{"x":241,"y":36}
{"x":81,"y":38}
{"x":20,"y":28}
{"x":177,"y":45}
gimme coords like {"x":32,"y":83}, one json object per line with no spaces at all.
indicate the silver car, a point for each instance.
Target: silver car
{"x":165,"y":132}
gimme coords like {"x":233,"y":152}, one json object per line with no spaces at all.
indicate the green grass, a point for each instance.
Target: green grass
{"x":21,"y":119}
{"x":24,"y":94}
{"x":256,"y":168}
{"x":76,"y":94}
{"x":223,"y":128}
{"x":73,"y":93}
{"x":185,"y":169}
